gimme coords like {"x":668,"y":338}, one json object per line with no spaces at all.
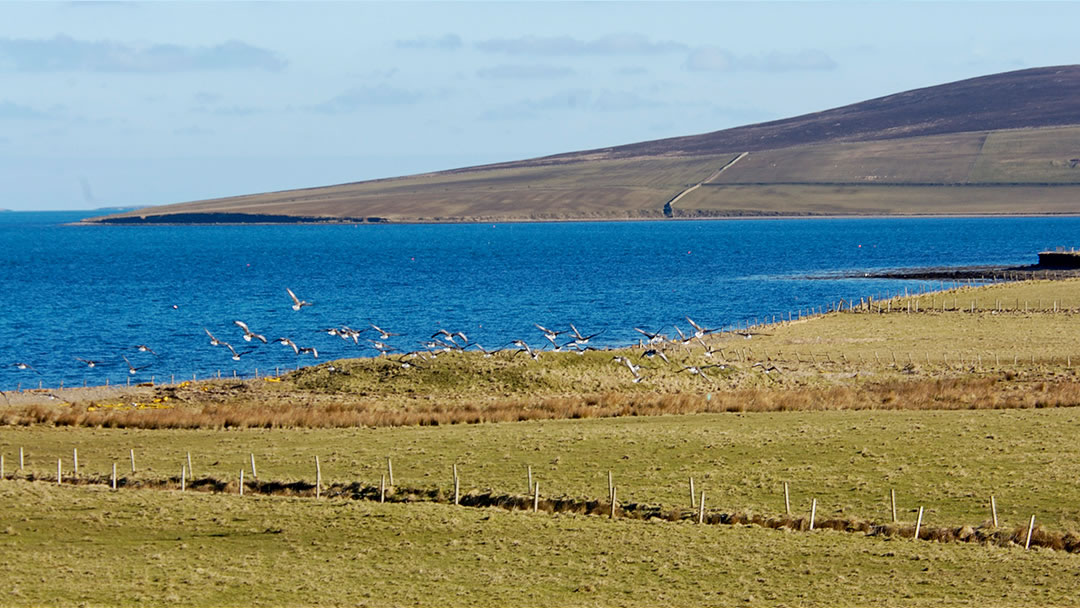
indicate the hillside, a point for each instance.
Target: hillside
{"x":1004,"y":143}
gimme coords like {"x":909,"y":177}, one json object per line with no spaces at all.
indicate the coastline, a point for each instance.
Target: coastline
{"x":297,"y":220}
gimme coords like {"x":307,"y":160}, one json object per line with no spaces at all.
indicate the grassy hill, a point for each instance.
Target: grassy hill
{"x":1005,"y":143}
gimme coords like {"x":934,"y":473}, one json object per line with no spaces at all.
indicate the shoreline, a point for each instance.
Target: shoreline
{"x":333,"y":221}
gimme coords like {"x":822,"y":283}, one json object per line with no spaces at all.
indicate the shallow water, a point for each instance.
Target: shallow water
{"x":97,"y":291}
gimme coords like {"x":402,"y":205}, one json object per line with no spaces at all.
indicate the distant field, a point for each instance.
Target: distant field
{"x":626,"y":188}
{"x":936,"y":159}
{"x":780,"y":200}
{"x":1030,"y":155}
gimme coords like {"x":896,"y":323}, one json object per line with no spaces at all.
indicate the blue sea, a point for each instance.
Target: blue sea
{"x":95,"y":292}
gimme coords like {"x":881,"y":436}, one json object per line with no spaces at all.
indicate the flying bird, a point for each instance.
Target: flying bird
{"x":213,"y":341}
{"x":142,"y":348}
{"x":89,"y":362}
{"x":248,"y":334}
{"x":289,"y":343}
{"x":297,"y":302}
{"x":25,"y":366}
{"x":699,"y":331}
{"x":581,"y":340}
{"x":383,"y":334}
{"x":131,"y":368}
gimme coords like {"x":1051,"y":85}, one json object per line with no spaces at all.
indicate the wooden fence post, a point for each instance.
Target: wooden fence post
{"x":390,"y":471}
{"x":457,"y":494}
{"x":1031,"y":528}
{"x":318,"y":478}
{"x":701,"y":509}
{"x":191,"y":471}
{"x":787,"y":500}
{"x":528,"y":472}
{"x":813,"y":512}
{"x":132,"y":452}
{"x":918,"y":523}
{"x":993,"y":510}
{"x":692,"y":497}
{"x":114,"y":475}
{"x":892,"y":501}
{"x":75,"y":460}
{"x":536,"y":496}
{"x":183,"y":478}
{"x":382,"y":489}
{"x":254,"y":473}
{"x":610,"y":487}
{"x":59,"y":473}
{"x":241,"y":482}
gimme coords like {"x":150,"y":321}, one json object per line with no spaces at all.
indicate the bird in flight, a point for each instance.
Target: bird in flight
{"x":297,"y":302}
{"x":213,"y":341}
{"x":383,"y":334}
{"x":131,"y":368}
{"x":289,"y":343}
{"x":89,"y":362}
{"x":699,"y":330}
{"x":25,"y":366}
{"x":248,"y":334}
{"x":142,"y":348}
{"x":581,"y":340}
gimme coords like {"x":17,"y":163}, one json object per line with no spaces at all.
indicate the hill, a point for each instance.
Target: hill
{"x":1004,"y":143}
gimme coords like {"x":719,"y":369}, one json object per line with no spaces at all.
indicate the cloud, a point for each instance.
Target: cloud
{"x":714,"y":59}
{"x":524,"y":72}
{"x":234,"y":111}
{"x":447,"y":42}
{"x":14,"y":111}
{"x":192,"y":130}
{"x":361,"y":97}
{"x":612,"y":44}
{"x":65,"y":54}
{"x":573,"y":100}
{"x":204,"y":97}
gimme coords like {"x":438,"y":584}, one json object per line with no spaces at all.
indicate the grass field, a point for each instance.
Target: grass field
{"x":79,"y":543}
{"x":1029,"y":155}
{"x":91,"y":547}
{"x":992,"y":414}
{"x":937,"y":159}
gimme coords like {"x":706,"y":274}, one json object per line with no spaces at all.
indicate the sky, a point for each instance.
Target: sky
{"x":117,"y":104}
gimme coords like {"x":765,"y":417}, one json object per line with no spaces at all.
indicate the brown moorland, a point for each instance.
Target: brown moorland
{"x":1003,"y":143}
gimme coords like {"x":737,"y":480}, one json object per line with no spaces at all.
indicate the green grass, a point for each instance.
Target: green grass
{"x":939,"y":159}
{"x":1029,"y":155}
{"x":950,"y":462}
{"x":92,"y":547}
{"x":85,"y":544}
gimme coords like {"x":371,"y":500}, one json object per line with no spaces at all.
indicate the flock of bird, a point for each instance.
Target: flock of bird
{"x":651,"y":345}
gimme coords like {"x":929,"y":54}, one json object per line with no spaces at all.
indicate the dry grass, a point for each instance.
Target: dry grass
{"x":917,"y":394}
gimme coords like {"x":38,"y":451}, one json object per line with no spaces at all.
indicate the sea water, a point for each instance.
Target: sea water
{"x":96,"y":292}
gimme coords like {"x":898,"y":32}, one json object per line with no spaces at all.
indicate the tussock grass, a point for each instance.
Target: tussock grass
{"x":997,"y":392}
